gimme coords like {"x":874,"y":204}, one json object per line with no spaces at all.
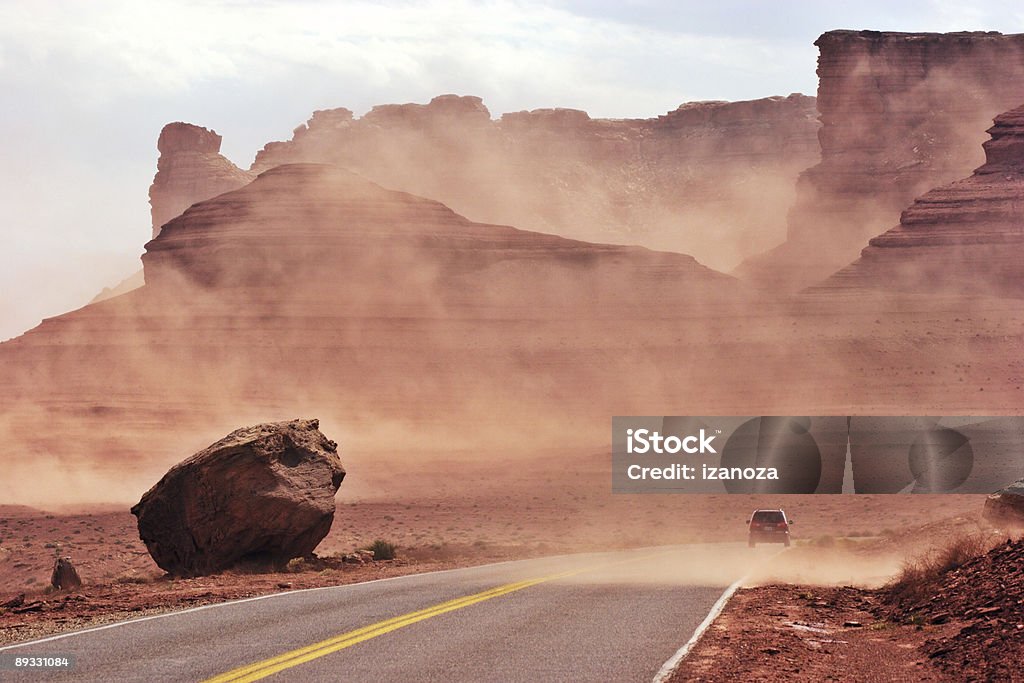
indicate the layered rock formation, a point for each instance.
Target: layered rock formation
{"x":422,"y":336}
{"x":966,"y":237}
{"x":189,"y":170}
{"x":314,"y":289}
{"x":901,"y":113}
{"x":710,"y":179}
{"x":262,"y":493}
{"x":321,"y":233}
{"x":669,"y":183}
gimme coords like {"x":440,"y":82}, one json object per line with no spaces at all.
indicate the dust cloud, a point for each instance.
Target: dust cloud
{"x":442,"y":354}
{"x":712,"y":180}
{"x":889,"y":134}
{"x":716,"y":564}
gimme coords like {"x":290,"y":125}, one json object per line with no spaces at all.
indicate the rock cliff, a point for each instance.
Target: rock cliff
{"x":189,"y":170}
{"x":312,"y":287}
{"x":323,"y":234}
{"x":901,"y":113}
{"x":710,"y":179}
{"x":966,"y":237}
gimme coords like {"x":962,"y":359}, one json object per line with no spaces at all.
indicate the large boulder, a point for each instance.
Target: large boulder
{"x":262,"y":493}
{"x":1005,"y":507}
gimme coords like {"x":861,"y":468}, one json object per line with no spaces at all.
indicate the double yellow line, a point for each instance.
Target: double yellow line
{"x":268,"y":667}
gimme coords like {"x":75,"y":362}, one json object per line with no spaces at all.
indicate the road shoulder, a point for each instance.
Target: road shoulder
{"x":789,"y":633}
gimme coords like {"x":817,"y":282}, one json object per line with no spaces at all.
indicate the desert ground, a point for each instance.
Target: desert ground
{"x":444,"y":517}
{"x":509,"y":483}
{"x":951,"y":614}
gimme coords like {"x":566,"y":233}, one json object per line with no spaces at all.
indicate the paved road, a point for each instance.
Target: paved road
{"x":593,"y":617}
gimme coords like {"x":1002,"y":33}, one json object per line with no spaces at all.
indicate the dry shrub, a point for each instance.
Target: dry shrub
{"x":129,"y":578}
{"x":922,"y":576}
{"x":382,"y":550}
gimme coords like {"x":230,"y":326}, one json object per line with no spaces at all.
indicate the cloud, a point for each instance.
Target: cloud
{"x":948,"y":15}
{"x":108,"y":50}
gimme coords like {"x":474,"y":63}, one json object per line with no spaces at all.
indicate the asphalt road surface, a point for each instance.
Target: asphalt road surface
{"x":594,"y":617}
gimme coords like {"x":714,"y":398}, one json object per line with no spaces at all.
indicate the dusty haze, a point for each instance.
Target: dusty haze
{"x":468,"y":368}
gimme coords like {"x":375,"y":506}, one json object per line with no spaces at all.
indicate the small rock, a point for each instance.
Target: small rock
{"x":64,"y":575}
{"x":34,"y":606}
{"x":852,"y":624}
{"x":771,"y":650}
{"x":19,"y":600}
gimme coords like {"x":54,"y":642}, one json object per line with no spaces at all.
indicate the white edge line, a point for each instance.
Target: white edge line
{"x":669,"y":666}
{"x":93,"y":629}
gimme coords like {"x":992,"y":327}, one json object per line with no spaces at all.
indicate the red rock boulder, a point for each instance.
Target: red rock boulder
{"x":263,"y":494}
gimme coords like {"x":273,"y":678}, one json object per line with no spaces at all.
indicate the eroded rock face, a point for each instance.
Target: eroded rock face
{"x":966,"y":237}
{"x":901,"y":113}
{"x":320,"y":234}
{"x":263,"y":493}
{"x":1005,"y":508}
{"x":712,"y":179}
{"x":313,"y":289}
{"x":190,"y":169}
{"x":314,"y":284}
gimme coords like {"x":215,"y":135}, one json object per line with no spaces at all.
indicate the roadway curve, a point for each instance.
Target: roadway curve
{"x":593,"y":617}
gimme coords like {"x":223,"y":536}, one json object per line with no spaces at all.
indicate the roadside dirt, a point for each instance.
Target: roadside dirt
{"x":527,"y":514}
{"x":803,"y":633}
{"x":955,"y":620}
{"x":982,"y":605}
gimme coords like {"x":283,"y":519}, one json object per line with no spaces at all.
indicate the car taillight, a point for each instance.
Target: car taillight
{"x":781,"y":525}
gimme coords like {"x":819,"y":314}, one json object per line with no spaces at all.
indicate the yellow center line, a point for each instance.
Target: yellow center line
{"x":268,"y":667}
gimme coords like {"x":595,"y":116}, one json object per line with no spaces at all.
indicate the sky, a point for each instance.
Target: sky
{"x":85,"y":88}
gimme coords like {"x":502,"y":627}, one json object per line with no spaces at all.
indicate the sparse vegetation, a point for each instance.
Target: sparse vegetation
{"x":916,"y":619}
{"x":920,"y":577}
{"x":296,"y":565}
{"x":382,"y":550}
{"x":134,"y":578}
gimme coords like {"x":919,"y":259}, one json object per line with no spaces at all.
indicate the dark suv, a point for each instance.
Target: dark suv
{"x":768,"y":526}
